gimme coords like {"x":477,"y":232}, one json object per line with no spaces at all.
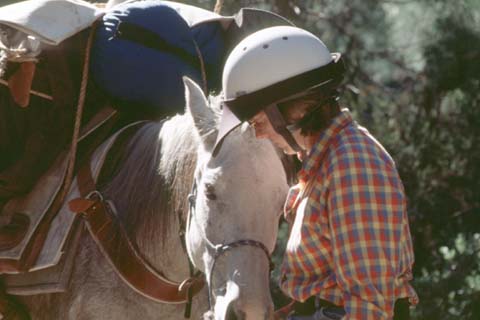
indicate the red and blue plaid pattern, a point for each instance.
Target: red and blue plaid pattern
{"x":350,"y":242}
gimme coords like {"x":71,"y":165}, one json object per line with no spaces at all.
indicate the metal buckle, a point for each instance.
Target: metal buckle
{"x":95,"y":195}
{"x":186,"y":284}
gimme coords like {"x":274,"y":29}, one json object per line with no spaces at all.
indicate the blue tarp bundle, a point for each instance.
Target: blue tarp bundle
{"x":141,"y":51}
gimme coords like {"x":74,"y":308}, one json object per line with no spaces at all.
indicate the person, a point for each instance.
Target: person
{"x":349,"y":253}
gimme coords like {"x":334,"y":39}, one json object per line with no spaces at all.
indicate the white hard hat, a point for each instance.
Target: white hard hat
{"x":273,"y":65}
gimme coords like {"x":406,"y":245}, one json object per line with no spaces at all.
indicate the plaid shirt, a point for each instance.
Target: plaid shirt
{"x":350,"y":241}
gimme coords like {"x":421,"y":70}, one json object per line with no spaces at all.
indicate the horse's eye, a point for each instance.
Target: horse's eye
{"x":210,"y":192}
{"x":221,"y":291}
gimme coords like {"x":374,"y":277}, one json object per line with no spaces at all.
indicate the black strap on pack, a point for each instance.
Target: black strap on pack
{"x":143,"y":36}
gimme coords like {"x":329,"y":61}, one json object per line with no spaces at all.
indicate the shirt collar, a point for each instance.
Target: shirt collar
{"x":310,"y":163}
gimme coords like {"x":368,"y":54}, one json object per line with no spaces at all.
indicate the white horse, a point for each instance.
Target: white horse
{"x":239,"y":195}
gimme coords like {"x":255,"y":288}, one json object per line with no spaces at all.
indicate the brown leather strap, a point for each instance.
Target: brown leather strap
{"x":21,"y":82}
{"x":122,"y":254}
{"x":280,"y":126}
{"x":34,"y":247}
{"x":85,"y":181}
{"x":113,"y":241}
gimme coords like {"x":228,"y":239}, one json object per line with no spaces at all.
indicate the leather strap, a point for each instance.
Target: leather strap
{"x":113,"y":241}
{"x":20,"y":83}
{"x":85,"y":181}
{"x":34,"y":247}
{"x":280,"y":126}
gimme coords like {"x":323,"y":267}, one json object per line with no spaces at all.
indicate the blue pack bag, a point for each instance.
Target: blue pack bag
{"x":141,"y":51}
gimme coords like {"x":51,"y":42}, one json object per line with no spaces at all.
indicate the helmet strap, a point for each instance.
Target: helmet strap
{"x":280,"y":126}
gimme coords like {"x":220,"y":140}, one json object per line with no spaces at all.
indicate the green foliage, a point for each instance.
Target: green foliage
{"x":7,"y":2}
{"x":441,"y":173}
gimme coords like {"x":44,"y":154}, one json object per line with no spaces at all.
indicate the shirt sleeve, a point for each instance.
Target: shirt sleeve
{"x":366,"y":206}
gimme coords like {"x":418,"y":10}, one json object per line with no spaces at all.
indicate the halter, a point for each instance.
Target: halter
{"x":220,"y":249}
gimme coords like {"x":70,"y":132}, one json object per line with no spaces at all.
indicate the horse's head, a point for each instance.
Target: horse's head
{"x":238,"y":195}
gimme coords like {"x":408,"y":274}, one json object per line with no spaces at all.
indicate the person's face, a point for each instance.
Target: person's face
{"x":264,"y":130}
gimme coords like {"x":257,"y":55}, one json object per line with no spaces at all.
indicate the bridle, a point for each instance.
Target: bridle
{"x":109,"y":234}
{"x":219,"y":249}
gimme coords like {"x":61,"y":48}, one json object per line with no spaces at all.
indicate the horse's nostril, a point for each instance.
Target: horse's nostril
{"x":230,"y":313}
{"x":234,"y":314}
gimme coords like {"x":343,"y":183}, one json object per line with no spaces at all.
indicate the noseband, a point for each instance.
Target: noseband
{"x":220,"y":249}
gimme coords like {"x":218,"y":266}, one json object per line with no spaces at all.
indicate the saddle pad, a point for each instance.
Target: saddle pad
{"x":50,"y":21}
{"x":51,"y":272}
{"x":34,"y":205}
{"x":37,"y":203}
{"x":47,"y":280}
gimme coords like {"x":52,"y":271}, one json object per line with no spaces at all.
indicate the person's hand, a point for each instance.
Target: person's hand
{"x":290,"y":207}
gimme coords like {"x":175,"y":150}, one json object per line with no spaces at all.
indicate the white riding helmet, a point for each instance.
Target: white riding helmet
{"x":273,"y":65}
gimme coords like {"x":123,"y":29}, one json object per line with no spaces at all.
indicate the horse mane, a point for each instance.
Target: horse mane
{"x":154,"y":175}
{"x":147,"y":198}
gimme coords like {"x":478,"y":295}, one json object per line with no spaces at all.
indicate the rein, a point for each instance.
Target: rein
{"x":219,"y":249}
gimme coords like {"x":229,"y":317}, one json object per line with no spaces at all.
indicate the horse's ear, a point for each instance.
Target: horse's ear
{"x":201,"y":112}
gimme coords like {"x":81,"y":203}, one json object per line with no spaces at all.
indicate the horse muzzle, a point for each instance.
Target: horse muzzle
{"x":235,"y":305}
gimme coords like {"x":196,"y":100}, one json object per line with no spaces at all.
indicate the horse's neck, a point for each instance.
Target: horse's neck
{"x":170,"y":259}
{"x":165,"y":162}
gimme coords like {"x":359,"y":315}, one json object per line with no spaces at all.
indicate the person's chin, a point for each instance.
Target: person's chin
{"x":284,"y":147}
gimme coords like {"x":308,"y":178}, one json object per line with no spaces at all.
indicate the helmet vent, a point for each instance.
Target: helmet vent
{"x":265,"y":46}
{"x":285,"y":38}
{"x":244,"y":48}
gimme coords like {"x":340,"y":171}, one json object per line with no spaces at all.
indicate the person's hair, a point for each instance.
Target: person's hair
{"x":320,"y":108}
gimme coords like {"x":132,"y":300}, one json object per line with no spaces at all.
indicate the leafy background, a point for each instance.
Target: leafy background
{"x":414,"y":81}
